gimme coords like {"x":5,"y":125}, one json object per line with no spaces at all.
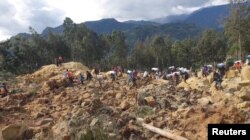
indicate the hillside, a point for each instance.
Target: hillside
{"x":176,"y":31}
{"x":43,"y":106}
{"x":211,"y":17}
{"x":106,"y":26}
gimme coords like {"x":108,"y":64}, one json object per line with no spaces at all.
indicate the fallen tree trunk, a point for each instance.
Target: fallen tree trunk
{"x":160,"y":131}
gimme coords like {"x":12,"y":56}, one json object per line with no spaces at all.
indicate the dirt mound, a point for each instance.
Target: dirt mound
{"x":51,"y":76}
{"x":195,"y":83}
{"x":245,"y":73}
{"x":114,"y":106}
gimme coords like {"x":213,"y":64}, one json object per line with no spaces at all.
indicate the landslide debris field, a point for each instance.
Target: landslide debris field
{"x":42,"y":107}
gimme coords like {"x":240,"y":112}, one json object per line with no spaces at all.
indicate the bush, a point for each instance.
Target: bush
{"x":143,"y":111}
{"x":95,"y":134}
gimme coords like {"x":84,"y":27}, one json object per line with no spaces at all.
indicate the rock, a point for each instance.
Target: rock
{"x":66,"y":138}
{"x":93,"y":122}
{"x":86,"y":96}
{"x":164,"y":103}
{"x":183,"y":105}
{"x":74,"y":122}
{"x":45,"y":121}
{"x":118,"y":96}
{"x":204,"y":101}
{"x":43,"y":101}
{"x":231,"y":73}
{"x":83,"y":104}
{"x":150,"y":100}
{"x":79,"y":112}
{"x":244,"y":94}
{"x":95,"y":105}
{"x":244,"y":83}
{"x":245,"y":73}
{"x":28,"y":134}
{"x":124,"y":105}
{"x":38,"y":115}
{"x":14,"y":132}
{"x":243,"y":105}
{"x":60,"y":128}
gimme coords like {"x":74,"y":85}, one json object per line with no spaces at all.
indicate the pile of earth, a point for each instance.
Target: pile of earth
{"x":111,"y":110}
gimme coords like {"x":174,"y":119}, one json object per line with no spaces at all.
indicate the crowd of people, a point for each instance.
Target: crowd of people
{"x":173,"y":74}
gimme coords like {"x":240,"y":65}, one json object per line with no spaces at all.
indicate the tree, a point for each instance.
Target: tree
{"x":237,"y":29}
{"x":211,"y":47}
{"x":119,"y":49}
{"x":159,"y":50}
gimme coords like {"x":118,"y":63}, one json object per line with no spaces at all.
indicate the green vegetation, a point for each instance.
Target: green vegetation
{"x":144,"y":111}
{"x":96,"y":134}
{"x":159,"y":48}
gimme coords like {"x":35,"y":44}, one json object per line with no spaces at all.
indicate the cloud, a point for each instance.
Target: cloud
{"x":17,"y":15}
{"x":148,"y":9}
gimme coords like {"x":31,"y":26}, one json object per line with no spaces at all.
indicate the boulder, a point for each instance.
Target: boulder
{"x":243,"y":105}
{"x":86,"y":96}
{"x":124,"y":105}
{"x":14,"y":132}
{"x":231,"y":73}
{"x":43,"y":101}
{"x":245,"y":73}
{"x":244,"y":83}
{"x":79,"y":112}
{"x":118,"y":96}
{"x":94,"y":122}
{"x":244,"y":94}
{"x":45,"y":121}
{"x":150,"y":101}
{"x":204,"y":101}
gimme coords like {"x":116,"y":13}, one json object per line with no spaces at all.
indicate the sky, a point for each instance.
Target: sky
{"x":17,"y":15}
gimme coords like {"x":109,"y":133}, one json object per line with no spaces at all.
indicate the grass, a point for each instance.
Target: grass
{"x":95,"y":134}
{"x":144,"y":111}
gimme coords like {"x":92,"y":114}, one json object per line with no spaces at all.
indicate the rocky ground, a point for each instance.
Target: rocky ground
{"x":42,"y":107}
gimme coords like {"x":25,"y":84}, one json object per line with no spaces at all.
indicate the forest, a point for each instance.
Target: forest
{"x":21,"y":55}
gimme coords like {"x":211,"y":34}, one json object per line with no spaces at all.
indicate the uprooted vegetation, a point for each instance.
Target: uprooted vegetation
{"x":40,"y":111}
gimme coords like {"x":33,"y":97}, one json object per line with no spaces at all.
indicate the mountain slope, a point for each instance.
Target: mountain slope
{"x":176,"y":31}
{"x":106,"y":26}
{"x":211,"y":17}
{"x":171,"y":18}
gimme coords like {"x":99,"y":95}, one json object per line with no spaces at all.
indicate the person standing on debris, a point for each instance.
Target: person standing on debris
{"x":134,"y":77}
{"x":70,"y":76}
{"x":89,"y":76}
{"x":81,"y":78}
{"x":218,"y":80}
{"x":248,"y":60}
{"x":238,"y":66}
{"x":186,"y":76}
{"x":113,"y":75}
{"x":221,"y":69}
{"x":204,"y":71}
{"x":129,"y":77}
{"x":96,"y":71}
{"x":145,"y":75}
{"x":99,"y":78}
{"x":3,"y":90}
{"x":56,"y":62}
{"x":176,"y":78}
{"x":60,"y":60}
